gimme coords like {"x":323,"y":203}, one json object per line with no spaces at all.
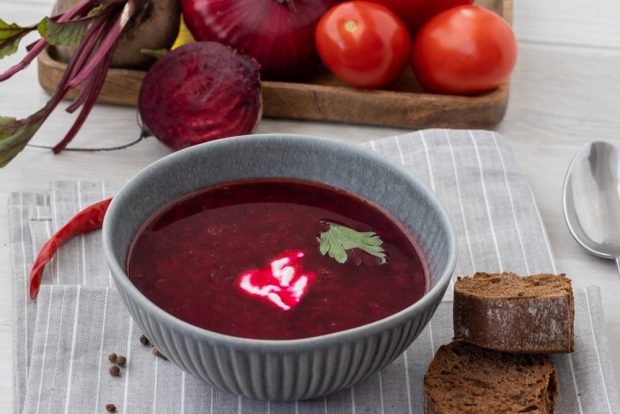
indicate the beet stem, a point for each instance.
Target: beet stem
{"x":91,"y":38}
{"x":94,"y":87}
{"x":95,"y":70}
{"x":36,"y":120}
{"x":41,"y":43}
{"x":106,"y":45}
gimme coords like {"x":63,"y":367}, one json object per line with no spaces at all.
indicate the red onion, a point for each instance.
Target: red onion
{"x":279,"y":34}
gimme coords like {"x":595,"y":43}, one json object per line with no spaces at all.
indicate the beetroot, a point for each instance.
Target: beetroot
{"x":200,"y":92}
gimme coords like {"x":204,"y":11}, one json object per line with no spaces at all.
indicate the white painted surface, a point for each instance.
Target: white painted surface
{"x":565,"y":92}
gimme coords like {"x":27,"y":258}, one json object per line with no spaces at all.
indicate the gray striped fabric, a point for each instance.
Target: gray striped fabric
{"x":62,"y":339}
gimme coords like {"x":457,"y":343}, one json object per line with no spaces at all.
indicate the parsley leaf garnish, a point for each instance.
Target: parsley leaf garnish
{"x":337,"y":240}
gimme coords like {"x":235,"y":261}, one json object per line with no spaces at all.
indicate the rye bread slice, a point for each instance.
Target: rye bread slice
{"x":464,"y":378}
{"x":511,"y":313}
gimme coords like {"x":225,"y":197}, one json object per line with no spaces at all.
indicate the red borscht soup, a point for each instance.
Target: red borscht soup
{"x":244,"y":259}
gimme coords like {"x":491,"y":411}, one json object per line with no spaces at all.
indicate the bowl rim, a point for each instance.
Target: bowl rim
{"x":122,"y":281}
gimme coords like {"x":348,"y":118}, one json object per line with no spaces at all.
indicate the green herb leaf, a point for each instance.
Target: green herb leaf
{"x":338,"y":239}
{"x":15,"y":134}
{"x":10,"y":36}
{"x":68,"y":33}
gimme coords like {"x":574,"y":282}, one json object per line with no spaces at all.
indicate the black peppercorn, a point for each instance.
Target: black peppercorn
{"x":144,"y":340}
{"x":112,"y":357}
{"x":115,"y":371}
{"x":121,"y":361}
{"x":111,"y":408}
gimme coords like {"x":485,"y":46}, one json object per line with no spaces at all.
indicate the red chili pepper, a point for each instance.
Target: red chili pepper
{"x":87,"y":220}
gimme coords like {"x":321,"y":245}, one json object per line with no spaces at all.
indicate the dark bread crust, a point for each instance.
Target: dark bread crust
{"x":464,"y":378}
{"x":511,"y":313}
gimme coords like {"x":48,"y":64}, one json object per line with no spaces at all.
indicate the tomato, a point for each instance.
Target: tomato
{"x":464,"y":50}
{"x":364,"y":44}
{"x":416,"y":12}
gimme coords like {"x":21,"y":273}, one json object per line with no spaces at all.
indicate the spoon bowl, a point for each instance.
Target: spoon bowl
{"x":591,"y":199}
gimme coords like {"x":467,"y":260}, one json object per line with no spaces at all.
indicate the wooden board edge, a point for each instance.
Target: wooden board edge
{"x":317,"y":102}
{"x":386,"y":108}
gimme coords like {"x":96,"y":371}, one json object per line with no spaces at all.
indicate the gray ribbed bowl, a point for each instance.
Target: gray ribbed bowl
{"x":281,"y":369}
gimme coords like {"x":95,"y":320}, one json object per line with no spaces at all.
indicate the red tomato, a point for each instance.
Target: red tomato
{"x":364,"y":44}
{"x":416,"y":12}
{"x":464,"y":50}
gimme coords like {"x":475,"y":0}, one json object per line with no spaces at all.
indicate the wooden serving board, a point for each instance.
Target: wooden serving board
{"x":325,"y":98}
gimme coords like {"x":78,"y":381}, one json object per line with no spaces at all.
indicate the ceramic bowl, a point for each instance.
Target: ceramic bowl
{"x":281,"y":369}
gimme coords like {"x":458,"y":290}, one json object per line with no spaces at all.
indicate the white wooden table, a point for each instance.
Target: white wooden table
{"x":565,"y":92}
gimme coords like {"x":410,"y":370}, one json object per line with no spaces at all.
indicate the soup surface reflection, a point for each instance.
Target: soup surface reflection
{"x":243,"y":259}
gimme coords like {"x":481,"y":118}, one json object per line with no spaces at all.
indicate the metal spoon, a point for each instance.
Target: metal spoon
{"x":591,"y":199}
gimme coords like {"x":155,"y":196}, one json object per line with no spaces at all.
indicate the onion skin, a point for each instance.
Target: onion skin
{"x":200,"y":92}
{"x":277,"y":33}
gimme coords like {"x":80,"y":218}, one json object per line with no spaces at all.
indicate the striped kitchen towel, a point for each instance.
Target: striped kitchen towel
{"x":62,"y":339}
{"x":77,"y":326}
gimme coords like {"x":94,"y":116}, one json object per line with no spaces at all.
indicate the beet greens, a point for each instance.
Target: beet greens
{"x":94,"y":27}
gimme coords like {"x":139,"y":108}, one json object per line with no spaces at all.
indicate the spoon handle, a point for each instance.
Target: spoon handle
{"x":618,"y":263}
